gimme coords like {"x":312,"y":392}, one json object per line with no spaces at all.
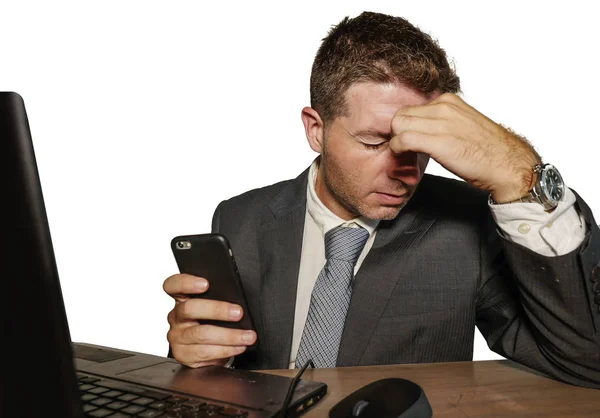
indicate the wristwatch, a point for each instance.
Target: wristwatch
{"x":548,"y":190}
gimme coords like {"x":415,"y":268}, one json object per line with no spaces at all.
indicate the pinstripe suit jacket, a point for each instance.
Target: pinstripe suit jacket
{"x":434,"y":273}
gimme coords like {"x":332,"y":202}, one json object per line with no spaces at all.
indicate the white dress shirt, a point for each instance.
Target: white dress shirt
{"x":549,"y":234}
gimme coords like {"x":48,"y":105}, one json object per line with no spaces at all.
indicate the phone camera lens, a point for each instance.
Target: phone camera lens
{"x":183,"y":245}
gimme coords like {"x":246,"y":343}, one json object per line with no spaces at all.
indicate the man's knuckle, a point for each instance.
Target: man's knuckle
{"x":198,"y":334}
{"x":201,"y":353}
{"x":171,"y":336}
{"x":172,"y":316}
{"x":448,"y":97}
{"x":447,"y":108}
{"x":404,"y":138}
{"x":177,"y":354}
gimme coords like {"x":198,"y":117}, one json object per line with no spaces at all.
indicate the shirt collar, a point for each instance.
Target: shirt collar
{"x":325,"y":218}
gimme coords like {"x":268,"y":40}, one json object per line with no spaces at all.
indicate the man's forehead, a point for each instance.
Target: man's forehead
{"x":369,"y":95}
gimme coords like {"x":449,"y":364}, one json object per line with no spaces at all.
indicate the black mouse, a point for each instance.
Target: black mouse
{"x":385,"y":398}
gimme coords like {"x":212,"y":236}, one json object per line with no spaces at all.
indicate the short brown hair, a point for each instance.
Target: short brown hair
{"x":378,"y":48}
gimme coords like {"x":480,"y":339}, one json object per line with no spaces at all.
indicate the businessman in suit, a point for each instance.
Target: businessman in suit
{"x":363,"y":259}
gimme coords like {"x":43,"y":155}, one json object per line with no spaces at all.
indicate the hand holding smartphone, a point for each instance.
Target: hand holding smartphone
{"x":210,"y":256}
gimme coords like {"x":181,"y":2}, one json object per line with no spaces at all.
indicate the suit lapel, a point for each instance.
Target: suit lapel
{"x":378,"y":276}
{"x":280,"y":247}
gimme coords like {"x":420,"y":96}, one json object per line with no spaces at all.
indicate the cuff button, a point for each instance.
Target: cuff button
{"x":524,"y":229}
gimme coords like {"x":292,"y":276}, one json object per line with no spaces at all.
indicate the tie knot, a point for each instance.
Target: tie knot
{"x":344,"y":243}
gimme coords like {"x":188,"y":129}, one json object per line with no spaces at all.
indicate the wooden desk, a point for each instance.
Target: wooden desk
{"x":494,"y":389}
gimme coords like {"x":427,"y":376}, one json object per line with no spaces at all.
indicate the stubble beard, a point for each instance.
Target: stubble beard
{"x":340,"y":185}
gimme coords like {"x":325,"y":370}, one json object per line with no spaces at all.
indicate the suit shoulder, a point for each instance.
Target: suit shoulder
{"x":260,"y":195}
{"x":251,"y":207}
{"x":248,"y":206}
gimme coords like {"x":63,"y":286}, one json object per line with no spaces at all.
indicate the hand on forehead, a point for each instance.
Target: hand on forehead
{"x":371,"y":106}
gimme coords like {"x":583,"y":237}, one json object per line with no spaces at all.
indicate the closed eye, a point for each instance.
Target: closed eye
{"x":373,"y":146}
{"x":372,"y":140}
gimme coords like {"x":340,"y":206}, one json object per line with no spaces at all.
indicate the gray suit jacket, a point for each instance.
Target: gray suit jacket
{"x":434,"y":273}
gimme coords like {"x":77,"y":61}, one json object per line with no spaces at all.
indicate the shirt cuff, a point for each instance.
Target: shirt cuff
{"x":550,"y":234}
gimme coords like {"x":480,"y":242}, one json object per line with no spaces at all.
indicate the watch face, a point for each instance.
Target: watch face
{"x":552,"y":184}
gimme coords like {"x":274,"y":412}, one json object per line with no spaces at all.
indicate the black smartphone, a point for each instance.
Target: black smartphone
{"x":210,"y":256}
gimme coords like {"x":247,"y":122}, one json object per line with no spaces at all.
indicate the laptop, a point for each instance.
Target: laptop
{"x":45,"y":373}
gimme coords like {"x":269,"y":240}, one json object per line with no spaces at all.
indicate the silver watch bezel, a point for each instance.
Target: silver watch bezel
{"x":542,"y":191}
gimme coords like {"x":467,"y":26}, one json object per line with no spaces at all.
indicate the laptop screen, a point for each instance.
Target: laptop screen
{"x":38,"y":374}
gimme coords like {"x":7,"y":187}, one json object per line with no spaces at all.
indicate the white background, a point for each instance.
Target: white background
{"x":145,"y":115}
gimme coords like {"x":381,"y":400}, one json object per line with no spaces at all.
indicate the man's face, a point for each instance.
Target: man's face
{"x":358,"y":173}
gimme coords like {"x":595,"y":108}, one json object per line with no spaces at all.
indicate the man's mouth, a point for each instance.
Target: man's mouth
{"x":391,"y":198}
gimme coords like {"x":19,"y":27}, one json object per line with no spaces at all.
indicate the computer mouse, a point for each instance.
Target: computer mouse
{"x":385,"y":398}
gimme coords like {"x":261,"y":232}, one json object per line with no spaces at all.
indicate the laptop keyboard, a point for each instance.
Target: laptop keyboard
{"x":103,"y":397}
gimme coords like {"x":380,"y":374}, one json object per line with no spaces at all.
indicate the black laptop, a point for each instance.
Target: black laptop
{"x":45,"y":374}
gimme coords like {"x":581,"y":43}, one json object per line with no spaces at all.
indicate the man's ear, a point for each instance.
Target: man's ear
{"x":314,"y":128}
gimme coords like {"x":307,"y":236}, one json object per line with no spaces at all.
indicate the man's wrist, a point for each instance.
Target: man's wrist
{"x":517,"y":193}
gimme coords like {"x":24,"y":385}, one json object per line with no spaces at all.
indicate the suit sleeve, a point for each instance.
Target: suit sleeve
{"x":543,"y":312}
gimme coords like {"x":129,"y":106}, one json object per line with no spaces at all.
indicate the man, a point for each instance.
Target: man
{"x":363,"y":259}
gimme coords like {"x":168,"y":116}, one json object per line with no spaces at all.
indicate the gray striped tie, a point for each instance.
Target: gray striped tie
{"x":330,"y":297}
